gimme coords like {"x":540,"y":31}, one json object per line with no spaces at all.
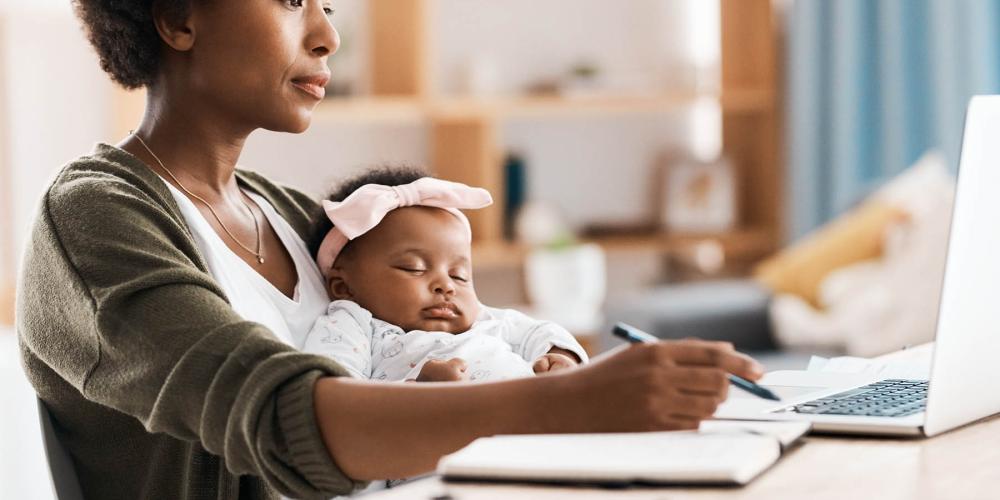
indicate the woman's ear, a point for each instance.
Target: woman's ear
{"x":337,"y":285}
{"x":176,"y":29}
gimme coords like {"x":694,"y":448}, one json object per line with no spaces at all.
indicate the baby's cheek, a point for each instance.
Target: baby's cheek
{"x":473,"y":311}
{"x":392,"y":306}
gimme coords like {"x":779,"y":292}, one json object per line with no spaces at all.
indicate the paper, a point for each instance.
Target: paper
{"x":786,"y":432}
{"x":641,"y":457}
{"x":912,"y":370}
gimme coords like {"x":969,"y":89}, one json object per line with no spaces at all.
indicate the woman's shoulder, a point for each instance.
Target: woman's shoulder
{"x":106,"y":176}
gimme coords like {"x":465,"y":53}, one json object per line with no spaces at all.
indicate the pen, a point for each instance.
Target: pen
{"x":635,"y":335}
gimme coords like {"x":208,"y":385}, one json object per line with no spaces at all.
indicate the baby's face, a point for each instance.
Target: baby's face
{"x":413,"y":270}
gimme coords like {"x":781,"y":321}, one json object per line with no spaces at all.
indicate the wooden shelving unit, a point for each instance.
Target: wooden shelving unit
{"x":465,"y":133}
{"x":745,"y":244}
{"x":466,"y":142}
{"x":412,"y":109}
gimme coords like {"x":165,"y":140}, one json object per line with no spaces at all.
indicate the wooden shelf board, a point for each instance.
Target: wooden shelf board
{"x":370,"y":109}
{"x":405,"y":109}
{"x":739,"y":244}
{"x":556,"y":106}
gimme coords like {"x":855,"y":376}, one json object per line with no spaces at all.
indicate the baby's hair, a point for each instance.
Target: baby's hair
{"x":385,"y":176}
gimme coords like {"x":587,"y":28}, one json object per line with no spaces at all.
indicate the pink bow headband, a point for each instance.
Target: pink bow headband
{"x":365,"y":208}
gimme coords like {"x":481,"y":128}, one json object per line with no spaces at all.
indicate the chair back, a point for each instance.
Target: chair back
{"x":64,"y":479}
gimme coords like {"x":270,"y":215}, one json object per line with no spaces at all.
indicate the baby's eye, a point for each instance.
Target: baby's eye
{"x":414,"y":270}
{"x":463,"y":279}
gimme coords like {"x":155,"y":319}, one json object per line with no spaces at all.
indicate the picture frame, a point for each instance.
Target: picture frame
{"x":698,"y":197}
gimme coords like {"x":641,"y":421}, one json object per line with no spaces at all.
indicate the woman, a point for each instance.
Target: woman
{"x":162,"y":284}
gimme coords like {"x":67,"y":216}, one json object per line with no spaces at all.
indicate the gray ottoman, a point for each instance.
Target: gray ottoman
{"x":735,"y":311}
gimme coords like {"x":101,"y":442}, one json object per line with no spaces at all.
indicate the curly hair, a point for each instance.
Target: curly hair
{"x":386,"y":176}
{"x":124,"y":35}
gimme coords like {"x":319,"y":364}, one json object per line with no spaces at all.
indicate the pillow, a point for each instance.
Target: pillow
{"x":853,"y":237}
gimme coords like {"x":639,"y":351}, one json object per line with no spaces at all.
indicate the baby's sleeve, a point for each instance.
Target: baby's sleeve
{"x":531,"y":338}
{"x":344,"y":334}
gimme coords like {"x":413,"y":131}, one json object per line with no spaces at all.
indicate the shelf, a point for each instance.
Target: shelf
{"x":370,"y":109}
{"x":391,"y":109}
{"x":556,"y":106}
{"x":738,"y":245}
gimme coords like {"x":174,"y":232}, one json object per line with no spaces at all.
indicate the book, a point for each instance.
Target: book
{"x":721,"y":452}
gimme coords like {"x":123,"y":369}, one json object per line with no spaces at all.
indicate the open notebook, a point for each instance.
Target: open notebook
{"x":722,"y":452}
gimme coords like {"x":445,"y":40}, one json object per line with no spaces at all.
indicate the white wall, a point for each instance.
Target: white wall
{"x":57,"y":100}
{"x":636,"y":42}
{"x":530,"y":39}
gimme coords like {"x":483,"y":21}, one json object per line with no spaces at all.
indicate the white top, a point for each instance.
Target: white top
{"x":501,"y":344}
{"x":251,"y":295}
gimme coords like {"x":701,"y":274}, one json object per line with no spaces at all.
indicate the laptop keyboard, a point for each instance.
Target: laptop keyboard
{"x":888,"y":398}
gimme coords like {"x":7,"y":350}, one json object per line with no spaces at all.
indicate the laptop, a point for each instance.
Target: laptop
{"x":962,"y":386}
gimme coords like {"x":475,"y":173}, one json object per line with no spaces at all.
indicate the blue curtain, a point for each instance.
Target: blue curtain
{"x":872,"y":85}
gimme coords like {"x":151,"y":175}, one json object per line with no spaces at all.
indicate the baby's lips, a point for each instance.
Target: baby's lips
{"x":442,"y":311}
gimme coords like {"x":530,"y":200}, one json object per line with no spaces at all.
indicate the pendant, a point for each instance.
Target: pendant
{"x":260,"y":259}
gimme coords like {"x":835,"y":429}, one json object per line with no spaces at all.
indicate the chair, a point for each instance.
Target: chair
{"x":64,"y":479}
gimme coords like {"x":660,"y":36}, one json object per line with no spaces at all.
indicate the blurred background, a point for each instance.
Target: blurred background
{"x":778,"y":174}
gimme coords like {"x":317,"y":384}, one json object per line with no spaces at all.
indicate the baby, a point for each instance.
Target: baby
{"x":397,"y":261}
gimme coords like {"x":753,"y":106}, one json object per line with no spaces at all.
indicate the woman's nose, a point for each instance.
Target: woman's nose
{"x":323,"y":39}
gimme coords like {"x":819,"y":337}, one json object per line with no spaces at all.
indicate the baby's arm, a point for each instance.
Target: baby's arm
{"x":534,"y":340}
{"x":344,"y":334}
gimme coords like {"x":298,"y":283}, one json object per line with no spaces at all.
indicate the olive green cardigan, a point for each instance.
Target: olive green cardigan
{"x":157,"y":387}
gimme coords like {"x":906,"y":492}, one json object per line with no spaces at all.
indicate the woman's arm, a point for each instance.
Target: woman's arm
{"x":378,"y":431}
{"x":112,"y":300}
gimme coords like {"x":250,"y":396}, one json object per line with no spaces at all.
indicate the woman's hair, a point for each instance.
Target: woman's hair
{"x":124,"y":35}
{"x":385,"y":176}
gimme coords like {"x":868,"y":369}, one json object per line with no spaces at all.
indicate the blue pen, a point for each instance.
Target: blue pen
{"x":635,"y":335}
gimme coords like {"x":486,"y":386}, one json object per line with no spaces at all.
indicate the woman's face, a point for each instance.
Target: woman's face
{"x":260,"y":63}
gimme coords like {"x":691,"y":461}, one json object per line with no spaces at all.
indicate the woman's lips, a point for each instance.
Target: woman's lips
{"x":311,"y":89}
{"x":314,"y":85}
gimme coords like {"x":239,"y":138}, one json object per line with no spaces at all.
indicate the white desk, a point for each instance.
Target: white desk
{"x":962,"y":464}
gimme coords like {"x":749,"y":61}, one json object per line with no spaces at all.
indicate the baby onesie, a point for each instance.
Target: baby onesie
{"x":501,"y":344}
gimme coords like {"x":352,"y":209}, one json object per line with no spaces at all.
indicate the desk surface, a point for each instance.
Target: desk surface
{"x":961,"y":464}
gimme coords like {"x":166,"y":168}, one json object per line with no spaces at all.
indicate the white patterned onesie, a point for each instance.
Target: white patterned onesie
{"x":501,"y":344}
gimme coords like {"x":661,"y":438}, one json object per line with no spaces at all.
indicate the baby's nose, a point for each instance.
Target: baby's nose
{"x":443,"y":286}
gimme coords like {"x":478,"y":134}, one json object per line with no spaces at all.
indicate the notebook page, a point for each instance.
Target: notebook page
{"x":653,"y":457}
{"x":786,"y":432}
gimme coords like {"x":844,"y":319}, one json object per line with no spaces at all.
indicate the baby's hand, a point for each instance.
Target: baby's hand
{"x":440,"y":370}
{"x":554,"y":361}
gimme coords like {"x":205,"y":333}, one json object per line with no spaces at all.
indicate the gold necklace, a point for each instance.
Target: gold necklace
{"x":256,"y":224}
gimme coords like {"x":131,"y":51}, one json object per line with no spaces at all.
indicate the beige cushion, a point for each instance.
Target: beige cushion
{"x":853,"y":237}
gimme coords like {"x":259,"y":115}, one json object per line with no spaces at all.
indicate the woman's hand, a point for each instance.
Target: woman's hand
{"x":440,"y":370}
{"x":650,"y":387}
{"x":644,"y":387}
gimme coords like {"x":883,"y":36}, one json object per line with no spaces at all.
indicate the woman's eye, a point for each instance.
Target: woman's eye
{"x":299,"y":3}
